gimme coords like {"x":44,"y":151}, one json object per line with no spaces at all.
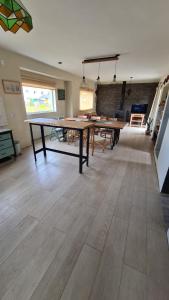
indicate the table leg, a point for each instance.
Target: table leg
{"x":81,"y":152}
{"x":87,"y":146}
{"x":33,"y":145}
{"x":64,"y":135}
{"x":13,"y":143}
{"x":117,"y":135}
{"x":43,"y":140}
{"x":113,"y":139}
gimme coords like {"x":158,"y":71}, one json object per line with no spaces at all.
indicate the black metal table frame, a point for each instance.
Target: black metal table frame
{"x":82,"y":158}
{"x":116,"y":137}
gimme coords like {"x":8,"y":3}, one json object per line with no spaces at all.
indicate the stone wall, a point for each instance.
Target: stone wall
{"x":109,"y":96}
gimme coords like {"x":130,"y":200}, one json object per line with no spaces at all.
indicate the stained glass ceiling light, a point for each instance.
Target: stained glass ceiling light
{"x":13,"y":15}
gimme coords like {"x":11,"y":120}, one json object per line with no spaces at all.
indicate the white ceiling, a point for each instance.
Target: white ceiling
{"x":71,"y":30}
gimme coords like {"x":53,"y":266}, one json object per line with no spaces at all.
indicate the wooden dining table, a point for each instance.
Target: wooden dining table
{"x":114,"y":126}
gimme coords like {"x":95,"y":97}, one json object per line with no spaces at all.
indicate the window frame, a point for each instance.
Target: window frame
{"x":43,"y":87}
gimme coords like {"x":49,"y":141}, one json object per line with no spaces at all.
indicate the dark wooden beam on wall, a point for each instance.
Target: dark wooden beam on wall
{"x":100,"y":59}
{"x":123,"y":93}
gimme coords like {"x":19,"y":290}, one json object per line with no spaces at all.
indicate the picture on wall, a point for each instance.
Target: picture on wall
{"x":11,"y":87}
{"x":61,"y":94}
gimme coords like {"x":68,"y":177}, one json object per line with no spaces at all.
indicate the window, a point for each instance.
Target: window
{"x":86,"y":99}
{"x":39,"y":100}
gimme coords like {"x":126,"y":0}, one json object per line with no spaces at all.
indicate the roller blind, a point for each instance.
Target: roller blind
{"x":86,"y":99}
{"x":37,"y":80}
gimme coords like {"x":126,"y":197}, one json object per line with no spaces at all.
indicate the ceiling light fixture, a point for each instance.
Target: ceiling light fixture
{"x":83,"y":83}
{"x":114,"y":57}
{"x":13,"y":16}
{"x":101,"y":59}
{"x":115,"y":72}
{"x":98,"y":77}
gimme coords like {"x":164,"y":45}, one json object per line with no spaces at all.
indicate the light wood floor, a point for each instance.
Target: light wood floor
{"x":97,"y":236}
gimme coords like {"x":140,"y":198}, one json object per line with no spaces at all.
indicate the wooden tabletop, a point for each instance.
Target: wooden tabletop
{"x":60,"y":123}
{"x":102,"y":123}
{"x":77,"y":119}
{"x":110,"y":124}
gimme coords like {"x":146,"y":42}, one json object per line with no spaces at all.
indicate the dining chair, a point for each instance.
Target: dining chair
{"x":72,"y":136}
{"x":97,"y":140}
{"x":57,"y":133}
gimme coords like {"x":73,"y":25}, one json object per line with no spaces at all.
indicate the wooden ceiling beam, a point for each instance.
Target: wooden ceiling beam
{"x":100,"y":59}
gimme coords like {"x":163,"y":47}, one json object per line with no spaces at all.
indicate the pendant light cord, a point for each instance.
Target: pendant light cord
{"x":115,"y":68}
{"x":115,"y":72}
{"x":98,"y":77}
{"x":99,"y":70}
{"x":83,"y":71}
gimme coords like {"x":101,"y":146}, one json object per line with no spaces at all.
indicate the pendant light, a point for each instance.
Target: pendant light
{"x":13,"y":16}
{"x":83,"y":83}
{"x":98,"y":77}
{"x":115,"y":72}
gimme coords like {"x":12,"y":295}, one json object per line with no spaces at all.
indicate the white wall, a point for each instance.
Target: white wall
{"x":161,"y":149}
{"x":14,"y":104}
{"x":3,"y":118}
